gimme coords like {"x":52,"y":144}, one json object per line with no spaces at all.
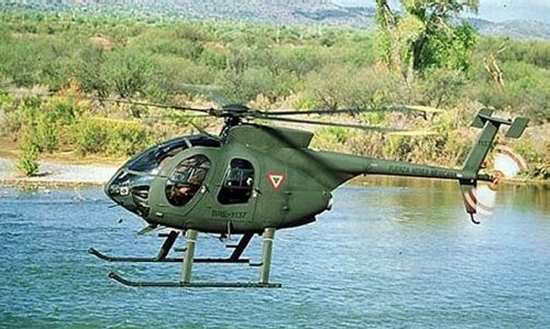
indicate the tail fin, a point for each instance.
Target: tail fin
{"x":475,"y":158}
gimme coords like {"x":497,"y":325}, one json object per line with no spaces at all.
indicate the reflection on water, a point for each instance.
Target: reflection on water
{"x":394,"y":253}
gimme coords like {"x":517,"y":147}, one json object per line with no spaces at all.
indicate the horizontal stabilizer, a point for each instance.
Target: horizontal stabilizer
{"x":481,"y":117}
{"x":517,"y":128}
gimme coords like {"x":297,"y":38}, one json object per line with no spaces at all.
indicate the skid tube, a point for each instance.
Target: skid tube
{"x":129,"y":283}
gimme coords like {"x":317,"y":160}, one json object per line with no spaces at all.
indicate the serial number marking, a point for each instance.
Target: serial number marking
{"x":413,"y":171}
{"x":229,"y":214}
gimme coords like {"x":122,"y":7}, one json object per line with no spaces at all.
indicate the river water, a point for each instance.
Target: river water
{"x":392,"y":254}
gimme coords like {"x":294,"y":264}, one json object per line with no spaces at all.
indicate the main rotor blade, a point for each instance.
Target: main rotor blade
{"x":158,"y":105}
{"x":204,"y":132}
{"x":307,"y":112}
{"x":403,"y":108}
{"x":335,"y":124}
{"x":201,"y":87}
{"x":214,"y":93}
{"x":424,"y":109}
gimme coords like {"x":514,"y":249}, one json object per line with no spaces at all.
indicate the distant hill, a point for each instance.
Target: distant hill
{"x":301,"y":12}
{"x":272,"y":11}
{"x":517,"y":29}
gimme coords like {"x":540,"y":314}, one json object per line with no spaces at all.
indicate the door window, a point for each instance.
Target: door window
{"x":186,"y":179}
{"x":238,"y":182}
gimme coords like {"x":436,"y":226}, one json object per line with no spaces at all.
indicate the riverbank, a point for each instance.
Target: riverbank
{"x":54,"y":174}
{"x":59,"y":169}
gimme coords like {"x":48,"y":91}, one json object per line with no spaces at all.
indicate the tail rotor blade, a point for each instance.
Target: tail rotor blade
{"x":485,"y":198}
{"x":481,"y":199}
{"x":508,"y":163}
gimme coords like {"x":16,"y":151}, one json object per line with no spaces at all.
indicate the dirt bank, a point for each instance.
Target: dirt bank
{"x":52,"y":173}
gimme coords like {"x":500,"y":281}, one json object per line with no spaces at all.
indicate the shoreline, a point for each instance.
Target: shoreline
{"x":54,"y":174}
{"x":38,"y":184}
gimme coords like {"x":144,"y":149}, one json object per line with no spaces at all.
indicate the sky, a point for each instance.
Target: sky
{"x":494,"y":10}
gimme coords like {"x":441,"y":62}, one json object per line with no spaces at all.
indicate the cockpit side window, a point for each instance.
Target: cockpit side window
{"x":186,"y":179}
{"x":238,"y":182}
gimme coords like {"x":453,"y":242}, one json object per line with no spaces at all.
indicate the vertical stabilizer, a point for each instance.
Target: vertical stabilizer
{"x":479,"y":151}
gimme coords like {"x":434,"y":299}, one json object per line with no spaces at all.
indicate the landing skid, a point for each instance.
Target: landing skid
{"x":188,"y":260}
{"x":171,"y":237}
{"x":116,"y":277}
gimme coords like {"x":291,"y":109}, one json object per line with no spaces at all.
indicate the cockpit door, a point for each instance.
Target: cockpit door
{"x":181,"y":185}
{"x":233,"y":201}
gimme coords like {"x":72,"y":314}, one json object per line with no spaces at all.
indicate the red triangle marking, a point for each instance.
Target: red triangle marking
{"x":276,"y":180}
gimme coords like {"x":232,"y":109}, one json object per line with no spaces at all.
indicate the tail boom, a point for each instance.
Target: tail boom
{"x":342,"y":167}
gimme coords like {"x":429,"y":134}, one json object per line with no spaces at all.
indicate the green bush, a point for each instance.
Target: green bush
{"x":299,"y":60}
{"x":19,"y":114}
{"x":90,"y":136}
{"x":246,"y":86}
{"x":46,"y":134}
{"x":538,"y":161}
{"x":44,"y":120}
{"x":111,"y":137}
{"x":350,"y":87}
{"x":443,"y":87}
{"x":214,"y":58}
{"x":174,"y":71}
{"x":27,"y":163}
{"x":127,"y":72}
{"x":88,"y":70}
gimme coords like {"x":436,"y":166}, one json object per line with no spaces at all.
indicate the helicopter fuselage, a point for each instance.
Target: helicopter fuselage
{"x":254,"y":177}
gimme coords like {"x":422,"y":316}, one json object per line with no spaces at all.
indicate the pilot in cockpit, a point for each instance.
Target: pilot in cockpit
{"x":188,"y":177}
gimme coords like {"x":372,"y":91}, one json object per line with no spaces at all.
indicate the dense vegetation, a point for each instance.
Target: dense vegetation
{"x":264,"y":65}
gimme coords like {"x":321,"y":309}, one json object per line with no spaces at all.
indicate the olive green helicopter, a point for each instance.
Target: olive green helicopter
{"x":254,"y":178}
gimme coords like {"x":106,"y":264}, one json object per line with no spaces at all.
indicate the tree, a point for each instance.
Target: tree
{"x":128,"y":72}
{"x":425,"y":34}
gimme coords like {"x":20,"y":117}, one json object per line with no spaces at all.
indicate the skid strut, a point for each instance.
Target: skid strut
{"x":169,"y":243}
{"x":188,"y":260}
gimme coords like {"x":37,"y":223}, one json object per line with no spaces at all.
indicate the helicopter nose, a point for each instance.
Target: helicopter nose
{"x":130,"y":191}
{"x":113,"y":187}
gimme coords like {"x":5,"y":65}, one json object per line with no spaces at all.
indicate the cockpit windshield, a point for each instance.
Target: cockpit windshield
{"x":150,"y":161}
